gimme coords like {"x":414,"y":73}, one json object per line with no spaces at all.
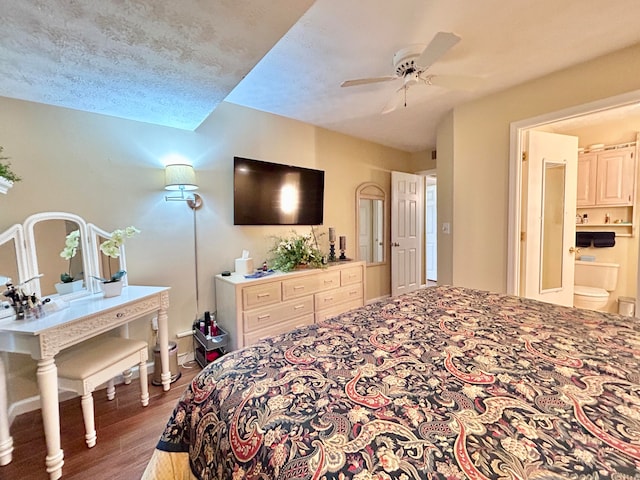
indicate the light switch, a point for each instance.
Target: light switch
{"x":446,"y":228}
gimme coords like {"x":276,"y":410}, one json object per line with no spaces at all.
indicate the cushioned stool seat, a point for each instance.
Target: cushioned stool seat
{"x":85,"y":367}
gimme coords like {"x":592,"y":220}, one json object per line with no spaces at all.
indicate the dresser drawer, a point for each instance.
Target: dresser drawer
{"x":265,"y":317}
{"x":297,"y":287}
{"x":322,"y":315}
{"x":282,"y":327}
{"x":260,"y":295}
{"x":331,"y":298}
{"x":349,"y":276}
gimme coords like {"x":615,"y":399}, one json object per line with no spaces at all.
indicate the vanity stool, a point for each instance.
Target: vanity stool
{"x":85,"y":367}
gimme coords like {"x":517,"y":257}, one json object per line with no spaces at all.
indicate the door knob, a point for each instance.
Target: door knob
{"x":574,"y":250}
{"x":395,"y":244}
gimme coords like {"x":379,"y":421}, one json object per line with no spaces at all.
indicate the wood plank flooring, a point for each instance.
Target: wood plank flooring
{"x":127,"y":434}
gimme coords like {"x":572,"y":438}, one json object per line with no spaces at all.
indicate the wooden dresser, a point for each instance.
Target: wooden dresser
{"x":251,"y":309}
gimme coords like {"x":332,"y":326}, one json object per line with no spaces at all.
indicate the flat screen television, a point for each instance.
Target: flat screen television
{"x":267,"y":193}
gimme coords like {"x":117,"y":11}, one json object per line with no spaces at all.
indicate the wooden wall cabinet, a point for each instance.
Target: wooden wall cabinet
{"x":606,"y":178}
{"x":253,"y":309}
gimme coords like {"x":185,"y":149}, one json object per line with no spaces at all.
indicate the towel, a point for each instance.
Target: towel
{"x":583,"y":239}
{"x":604,"y":239}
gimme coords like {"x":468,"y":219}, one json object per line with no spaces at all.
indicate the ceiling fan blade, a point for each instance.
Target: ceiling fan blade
{"x":398,"y":99}
{"x":365,"y":81}
{"x":455,"y":82}
{"x":441,"y":44}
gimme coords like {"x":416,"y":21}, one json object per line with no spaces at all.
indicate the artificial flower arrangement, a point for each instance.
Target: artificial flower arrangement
{"x":295,"y":251}
{"x":111,"y":248}
{"x":69,"y":251}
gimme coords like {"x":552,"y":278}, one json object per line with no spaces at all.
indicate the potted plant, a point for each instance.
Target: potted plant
{"x":7,"y":176}
{"x":68,"y":283}
{"x":112,"y":286}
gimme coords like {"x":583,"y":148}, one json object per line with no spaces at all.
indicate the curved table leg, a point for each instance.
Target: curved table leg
{"x":48,"y":384}
{"x":6,"y":442}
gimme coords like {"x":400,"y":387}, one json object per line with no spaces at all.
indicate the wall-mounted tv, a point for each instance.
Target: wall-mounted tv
{"x":267,"y":193}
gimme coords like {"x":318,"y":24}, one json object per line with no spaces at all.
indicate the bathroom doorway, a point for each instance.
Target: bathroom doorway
{"x":609,"y":121}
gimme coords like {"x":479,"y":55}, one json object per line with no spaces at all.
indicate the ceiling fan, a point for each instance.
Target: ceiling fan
{"x":411,"y":64}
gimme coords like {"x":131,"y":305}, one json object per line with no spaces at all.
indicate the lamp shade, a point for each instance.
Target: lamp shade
{"x":180,"y":177}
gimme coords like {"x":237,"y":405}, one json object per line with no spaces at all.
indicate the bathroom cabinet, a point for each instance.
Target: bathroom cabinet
{"x":607,"y":177}
{"x":606,"y":186}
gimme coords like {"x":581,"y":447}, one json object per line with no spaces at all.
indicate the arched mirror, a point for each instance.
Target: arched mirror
{"x":58,"y":251}
{"x":371,"y":221}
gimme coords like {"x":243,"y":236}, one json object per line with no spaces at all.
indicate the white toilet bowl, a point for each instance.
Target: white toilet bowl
{"x":592,"y":284}
{"x":592,"y":298}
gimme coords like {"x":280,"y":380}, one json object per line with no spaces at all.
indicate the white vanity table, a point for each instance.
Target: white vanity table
{"x":86,"y":316}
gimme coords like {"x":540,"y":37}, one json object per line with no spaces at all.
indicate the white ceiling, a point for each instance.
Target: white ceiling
{"x":171,"y":63}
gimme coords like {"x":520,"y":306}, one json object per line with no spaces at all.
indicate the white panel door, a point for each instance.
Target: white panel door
{"x":549,"y":250}
{"x":406,"y":230}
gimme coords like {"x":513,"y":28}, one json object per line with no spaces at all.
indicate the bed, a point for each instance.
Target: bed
{"x":442,"y":383}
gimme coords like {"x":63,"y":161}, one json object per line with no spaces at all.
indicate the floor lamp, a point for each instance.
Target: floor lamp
{"x":182,"y":178}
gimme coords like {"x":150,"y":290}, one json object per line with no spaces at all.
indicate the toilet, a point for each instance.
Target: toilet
{"x":592,"y":283}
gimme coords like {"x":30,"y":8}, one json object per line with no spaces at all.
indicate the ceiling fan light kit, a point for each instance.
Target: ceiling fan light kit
{"x":410,"y":63}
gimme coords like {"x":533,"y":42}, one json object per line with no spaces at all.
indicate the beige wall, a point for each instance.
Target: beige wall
{"x":477,"y":171}
{"x":445,"y":199}
{"x":109,"y":171}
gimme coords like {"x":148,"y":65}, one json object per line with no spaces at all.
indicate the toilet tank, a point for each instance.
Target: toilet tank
{"x":596,"y":274}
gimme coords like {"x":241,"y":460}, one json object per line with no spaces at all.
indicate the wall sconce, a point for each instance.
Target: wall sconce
{"x":181,"y":177}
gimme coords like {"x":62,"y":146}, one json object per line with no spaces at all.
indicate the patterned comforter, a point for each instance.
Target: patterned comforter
{"x":444,"y":383}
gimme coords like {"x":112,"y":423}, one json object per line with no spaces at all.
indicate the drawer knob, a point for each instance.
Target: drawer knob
{"x":328,"y":299}
{"x":298,"y":307}
{"x":263,"y":317}
{"x":262,"y":295}
{"x":298,"y":287}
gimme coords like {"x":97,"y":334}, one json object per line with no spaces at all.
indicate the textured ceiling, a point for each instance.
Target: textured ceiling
{"x":157,"y":61}
{"x":171,"y":63}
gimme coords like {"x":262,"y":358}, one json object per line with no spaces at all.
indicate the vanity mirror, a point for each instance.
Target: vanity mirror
{"x":106,"y":266}
{"x":46,"y":236}
{"x":371,"y":221}
{"x":33,"y":250}
{"x":12,"y":259}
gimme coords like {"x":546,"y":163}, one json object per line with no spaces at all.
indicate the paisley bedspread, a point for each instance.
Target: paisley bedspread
{"x":443,"y":383}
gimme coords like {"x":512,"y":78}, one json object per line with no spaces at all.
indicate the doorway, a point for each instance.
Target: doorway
{"x":557,"y":122}
{"x":431,"y":227}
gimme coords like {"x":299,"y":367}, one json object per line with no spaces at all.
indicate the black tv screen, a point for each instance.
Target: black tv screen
{"x":267,"y":193}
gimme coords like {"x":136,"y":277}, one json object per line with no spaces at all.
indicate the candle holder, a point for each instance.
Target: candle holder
{"x":332,"y":251}
{"x":343,"y":247}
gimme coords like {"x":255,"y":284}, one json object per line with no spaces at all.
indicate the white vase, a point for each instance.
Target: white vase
{"x":69,"y":287}
{"x":111,"y":289}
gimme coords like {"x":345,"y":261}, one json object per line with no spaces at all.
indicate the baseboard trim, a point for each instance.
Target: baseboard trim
{"x":377,"y":299}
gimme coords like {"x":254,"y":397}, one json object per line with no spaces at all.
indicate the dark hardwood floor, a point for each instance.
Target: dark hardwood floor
{"x":127,"y":434}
